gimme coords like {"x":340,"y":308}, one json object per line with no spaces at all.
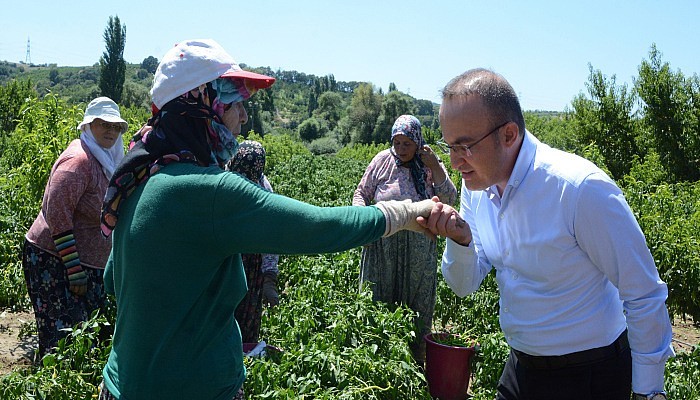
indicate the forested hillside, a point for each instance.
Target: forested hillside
{"x":325,"y":113}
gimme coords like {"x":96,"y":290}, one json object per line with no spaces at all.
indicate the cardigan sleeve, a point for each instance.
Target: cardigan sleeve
{"x":364,"y":194}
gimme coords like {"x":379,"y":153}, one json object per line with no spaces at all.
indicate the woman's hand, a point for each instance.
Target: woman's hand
{"x":429,"y":158}
{"x":77,"y":280}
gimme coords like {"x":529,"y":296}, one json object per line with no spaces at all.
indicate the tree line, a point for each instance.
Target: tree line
{"x":653,"y":122}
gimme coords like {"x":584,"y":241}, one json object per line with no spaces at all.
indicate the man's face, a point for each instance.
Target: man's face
{"x":464,"y":121}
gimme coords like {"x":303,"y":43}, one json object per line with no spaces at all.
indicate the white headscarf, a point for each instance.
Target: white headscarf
{"x":108,"y":158}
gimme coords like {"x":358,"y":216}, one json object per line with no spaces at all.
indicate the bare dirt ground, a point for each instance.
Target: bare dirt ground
{"x":16,"y":352}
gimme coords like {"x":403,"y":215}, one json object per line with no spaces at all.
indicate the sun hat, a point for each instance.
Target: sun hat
{"x":105,"y":109}
{"x":195,"y":62}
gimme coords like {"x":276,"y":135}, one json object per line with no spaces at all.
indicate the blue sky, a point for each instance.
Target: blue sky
{"x":542,"y":47}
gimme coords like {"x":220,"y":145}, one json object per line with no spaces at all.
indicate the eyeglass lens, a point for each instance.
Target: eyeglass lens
{"x":109,"y":125}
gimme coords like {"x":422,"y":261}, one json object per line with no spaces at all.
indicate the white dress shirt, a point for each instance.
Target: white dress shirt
{"x":572,"y":264}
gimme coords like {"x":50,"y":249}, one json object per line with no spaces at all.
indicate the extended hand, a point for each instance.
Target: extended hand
{"x":446,"y":221}
{"x":402,"y":215}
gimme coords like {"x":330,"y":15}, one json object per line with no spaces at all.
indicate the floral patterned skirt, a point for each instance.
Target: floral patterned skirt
{"x":249,"y":310}
{"x":55,"y":306}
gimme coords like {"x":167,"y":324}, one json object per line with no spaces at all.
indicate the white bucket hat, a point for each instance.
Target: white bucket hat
{"x":195,"y":62}
{"x":105,"y":109}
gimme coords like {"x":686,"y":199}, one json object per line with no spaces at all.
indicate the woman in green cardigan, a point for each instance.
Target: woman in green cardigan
{"x":172,"y":211}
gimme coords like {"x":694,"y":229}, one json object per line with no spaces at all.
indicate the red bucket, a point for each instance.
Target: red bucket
{"x":447,"y":368}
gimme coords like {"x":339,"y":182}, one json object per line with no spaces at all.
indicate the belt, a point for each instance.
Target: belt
{"x":574,"y":359}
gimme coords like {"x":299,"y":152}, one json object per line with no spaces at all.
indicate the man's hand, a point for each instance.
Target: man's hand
{"x":446,"y":221}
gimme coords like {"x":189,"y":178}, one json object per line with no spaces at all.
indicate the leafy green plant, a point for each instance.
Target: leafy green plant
{"x":454,"y":340}
{"x":337,"y":343}
{"x":73,"y":371}
{"x":683,"y":375}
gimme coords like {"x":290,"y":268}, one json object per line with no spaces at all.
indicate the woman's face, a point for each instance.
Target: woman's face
{"x":234,"y":116}
{"x":105,"y":133}
{"x":404,"y":147}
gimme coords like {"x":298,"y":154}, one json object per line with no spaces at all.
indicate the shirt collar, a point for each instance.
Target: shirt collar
{"x":525,"y":159}
{"x":522,"y":165}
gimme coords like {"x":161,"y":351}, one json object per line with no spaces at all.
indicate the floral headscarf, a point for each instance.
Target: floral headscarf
{"x":187,"y":129}
{"x":249,"y":161}
{"x":409,"y":126}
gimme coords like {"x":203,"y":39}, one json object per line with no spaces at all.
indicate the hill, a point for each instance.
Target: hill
{"x":315,"y":108}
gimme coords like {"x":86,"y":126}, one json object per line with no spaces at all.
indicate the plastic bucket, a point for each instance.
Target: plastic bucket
{"x":447,"y":368}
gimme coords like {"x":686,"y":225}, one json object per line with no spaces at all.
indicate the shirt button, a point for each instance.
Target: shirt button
{"x":505,"y":309}
{"x":515,"y":276}
{"x":501,"y":216}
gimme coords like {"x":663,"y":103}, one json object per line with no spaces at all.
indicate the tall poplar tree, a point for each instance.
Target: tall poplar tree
{"x":112,"y":64}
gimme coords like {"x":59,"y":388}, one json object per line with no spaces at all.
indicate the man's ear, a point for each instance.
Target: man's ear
{"x":511,"y":134}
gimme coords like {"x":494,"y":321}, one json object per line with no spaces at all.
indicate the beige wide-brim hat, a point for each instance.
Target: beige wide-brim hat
{"x":105,"y":109}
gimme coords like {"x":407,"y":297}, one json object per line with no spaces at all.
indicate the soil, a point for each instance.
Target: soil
{"x":16,"y":352}
{"x":19,"y":352}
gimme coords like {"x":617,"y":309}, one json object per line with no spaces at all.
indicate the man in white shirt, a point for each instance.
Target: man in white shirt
{"x":581,"y":302}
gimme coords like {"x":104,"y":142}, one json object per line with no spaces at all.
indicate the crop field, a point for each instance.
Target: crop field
{"x":336,"y":342}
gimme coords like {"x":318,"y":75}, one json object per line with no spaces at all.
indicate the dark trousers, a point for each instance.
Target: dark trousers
{"x":603,"y":378}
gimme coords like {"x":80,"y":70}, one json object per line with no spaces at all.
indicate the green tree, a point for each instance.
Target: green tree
{"x":54,"y":76}
{"x":395,"y":104}
{"x":671,"y":113}
{"x":14,"y":97}
{"x":606,"y":119}
{"x":112,"y":64}
{"x":553,"y":129}
{"x":135,"y":95}
{"x":311,"y":129}
{"x":330,"y":108}
{"x":425,"y":107}
{"x":365,"y":107}
{"x":312,"y":102}
{"x":259,"y":108}
{"x":150,"y":64}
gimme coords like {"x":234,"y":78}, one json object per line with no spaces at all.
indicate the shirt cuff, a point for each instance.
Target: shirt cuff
{"x":648,"y":378}
{"x":458,"y":267}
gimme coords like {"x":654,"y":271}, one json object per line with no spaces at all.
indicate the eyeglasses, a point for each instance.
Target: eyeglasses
{"x":465,"y":149}
{"x":110,"y":126}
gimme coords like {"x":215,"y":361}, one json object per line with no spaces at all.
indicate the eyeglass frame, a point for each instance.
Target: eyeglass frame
{"x":465,"y":149}
{"x":110,"y":125}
